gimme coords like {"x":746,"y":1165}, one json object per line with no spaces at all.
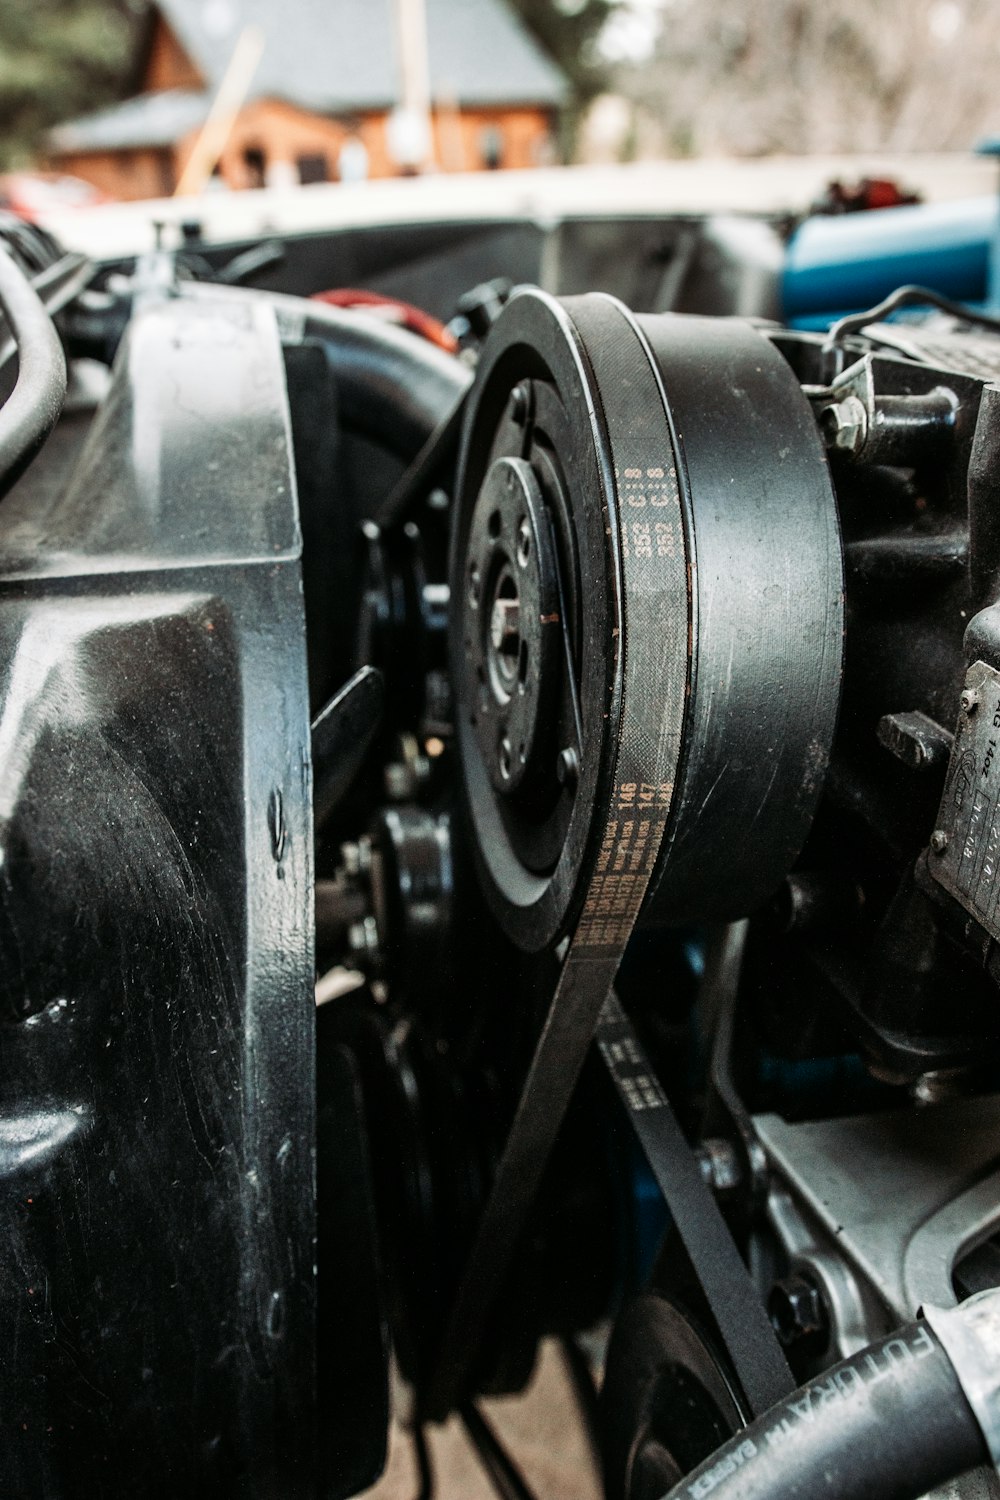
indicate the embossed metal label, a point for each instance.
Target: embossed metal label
{"x":965,"y":846}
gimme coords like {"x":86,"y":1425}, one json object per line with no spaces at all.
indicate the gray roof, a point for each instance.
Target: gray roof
{"x":159,"y":119}
{"x":340,"y":55}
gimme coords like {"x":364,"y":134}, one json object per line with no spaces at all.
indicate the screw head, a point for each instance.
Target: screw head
{"x":519,"y":404}
{"x":969,"y":701}
{"x":567,"y":767}
{"x":939,"y":841}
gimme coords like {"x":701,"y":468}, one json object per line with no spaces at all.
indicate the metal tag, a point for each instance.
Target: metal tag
{"x":965,"y":845}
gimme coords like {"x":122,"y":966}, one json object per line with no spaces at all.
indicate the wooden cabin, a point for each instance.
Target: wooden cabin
{"x":322,"y":103}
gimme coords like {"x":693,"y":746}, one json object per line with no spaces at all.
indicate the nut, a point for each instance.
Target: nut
{"x":719,"y":1164}
{"x":798,"y":1312}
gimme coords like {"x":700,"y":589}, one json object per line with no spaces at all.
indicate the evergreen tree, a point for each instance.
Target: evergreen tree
{"x":60,"y":58}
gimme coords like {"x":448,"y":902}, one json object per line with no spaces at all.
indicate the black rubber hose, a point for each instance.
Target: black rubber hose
{"x":33,"y":406}
{"x":890,"y":1422}
{"x":392,"y":386}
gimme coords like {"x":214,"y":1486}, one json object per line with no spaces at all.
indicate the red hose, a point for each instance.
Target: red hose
{"x":403,"y":313}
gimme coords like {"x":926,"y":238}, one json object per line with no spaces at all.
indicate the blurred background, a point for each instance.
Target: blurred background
{"x":137,"y":99}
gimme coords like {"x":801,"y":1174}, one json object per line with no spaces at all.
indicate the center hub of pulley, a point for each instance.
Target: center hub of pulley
{"x":512,"y":630}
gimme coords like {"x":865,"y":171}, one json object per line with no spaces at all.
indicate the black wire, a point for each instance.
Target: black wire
{"x":505,"y":1476}
{"x":904,"y":295}
{"x":425,"y":1469}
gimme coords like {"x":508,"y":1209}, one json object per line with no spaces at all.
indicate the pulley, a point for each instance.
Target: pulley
{"x":669,"y":1399}
{"x":647,"y":499}
{"x":646,"y":643}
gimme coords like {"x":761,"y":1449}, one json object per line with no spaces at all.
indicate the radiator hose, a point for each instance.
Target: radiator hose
{"x":901,"y":1417}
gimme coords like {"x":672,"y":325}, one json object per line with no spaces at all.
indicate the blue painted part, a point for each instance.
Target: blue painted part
{"x":813,"y":1076}
{"x":694,"y":955}
{"x":847,"y":263}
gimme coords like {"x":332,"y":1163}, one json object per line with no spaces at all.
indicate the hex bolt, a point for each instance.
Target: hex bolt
{"x":519,"y":404}
{"x":567,"y":767}
{"x":939,"y":841}
{"x":845,"y":424}
{"x":798,"y":1312}
{"x":475,"y":586}
{"x":719,"y":1164}
{"x":969,"y":701}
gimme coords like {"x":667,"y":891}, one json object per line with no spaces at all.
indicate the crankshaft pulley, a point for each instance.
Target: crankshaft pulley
{"x":680,"y":450}
{"x":645,"y":547}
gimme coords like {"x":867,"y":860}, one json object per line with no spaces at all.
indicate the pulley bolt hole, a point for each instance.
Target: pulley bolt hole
{"x":504,"y":758}
{"x":493,"y":524}
{"x":523,"y":542}
{"x":475,"y":586}
{"x":522,"y":666}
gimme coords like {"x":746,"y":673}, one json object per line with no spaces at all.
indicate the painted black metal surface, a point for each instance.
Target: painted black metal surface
{"x":156,"y":1018}
{"x":766,"y":621}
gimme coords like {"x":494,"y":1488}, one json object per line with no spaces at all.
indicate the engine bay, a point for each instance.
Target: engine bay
{"x":500,"y":836}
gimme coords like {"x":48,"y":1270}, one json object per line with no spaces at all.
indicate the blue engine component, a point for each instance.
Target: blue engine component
{"x":844,"y":264}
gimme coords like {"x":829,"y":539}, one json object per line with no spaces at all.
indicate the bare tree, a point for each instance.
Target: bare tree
{"x":749,"y":77}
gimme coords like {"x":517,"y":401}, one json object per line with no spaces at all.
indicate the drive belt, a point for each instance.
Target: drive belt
{"x":740,"y":1320}
{"x":649,"y":647}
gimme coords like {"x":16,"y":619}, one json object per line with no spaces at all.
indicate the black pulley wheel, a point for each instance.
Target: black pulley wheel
{"x":668,"y":1400}
{"x":646,"y":564}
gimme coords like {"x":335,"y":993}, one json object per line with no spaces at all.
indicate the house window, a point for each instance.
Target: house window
{"x":491,"y":147}
{"x":255,"y":164}
{"x":313,"y":168}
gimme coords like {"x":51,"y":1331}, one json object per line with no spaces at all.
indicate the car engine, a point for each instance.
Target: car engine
{"x":495,"y":844}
